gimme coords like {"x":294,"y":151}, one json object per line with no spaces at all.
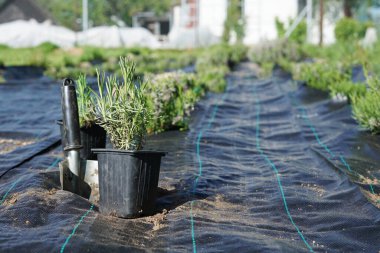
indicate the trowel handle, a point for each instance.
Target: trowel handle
{"x":71,"y":129}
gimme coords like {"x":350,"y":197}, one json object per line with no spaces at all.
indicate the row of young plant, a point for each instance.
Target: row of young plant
{"x":60,"y":63}
{"x":129,"y":106}
{"x":330,"y":68}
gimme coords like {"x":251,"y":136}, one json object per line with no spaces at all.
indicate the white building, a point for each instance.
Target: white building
{"x":260,"y":17}
{"x":201,"y":22}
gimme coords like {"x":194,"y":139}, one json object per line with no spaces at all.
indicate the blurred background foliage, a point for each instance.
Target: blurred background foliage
{"x":68,"y":13}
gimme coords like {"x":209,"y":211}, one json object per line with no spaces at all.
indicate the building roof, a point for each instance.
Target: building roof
{"x":11,"y":10}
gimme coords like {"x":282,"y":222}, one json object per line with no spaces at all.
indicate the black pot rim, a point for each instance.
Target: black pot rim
{"x":119,"y":151}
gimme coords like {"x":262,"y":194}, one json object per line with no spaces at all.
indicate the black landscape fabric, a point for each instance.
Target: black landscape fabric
{"x":269,"y":166}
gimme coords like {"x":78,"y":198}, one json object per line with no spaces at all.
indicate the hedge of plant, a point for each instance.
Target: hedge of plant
{"x":330,"y":68}
{"x":169,"y":92}
{"x":172,"y":97}
{"x":211,"y":64}
{"x":59,"y":63}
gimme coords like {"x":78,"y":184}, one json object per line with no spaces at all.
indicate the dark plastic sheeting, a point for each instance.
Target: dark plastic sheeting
{"x":269,"y":166}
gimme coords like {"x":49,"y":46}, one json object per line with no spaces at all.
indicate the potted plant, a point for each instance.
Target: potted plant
{"x":128,"y":176}
{"x":92,"y":135}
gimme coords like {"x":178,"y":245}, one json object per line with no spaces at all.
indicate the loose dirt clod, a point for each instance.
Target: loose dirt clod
{"x":11,"y":200}
{"x":157,"y":220}
{"x":52,"y":191}
{"x":315,"y":188}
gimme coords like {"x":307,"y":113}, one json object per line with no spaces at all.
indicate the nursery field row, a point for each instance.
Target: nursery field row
{"x":260,"y":169}
{"x":347,"y":70}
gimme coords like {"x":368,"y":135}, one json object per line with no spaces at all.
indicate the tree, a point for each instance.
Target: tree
{"x":234,"y":21}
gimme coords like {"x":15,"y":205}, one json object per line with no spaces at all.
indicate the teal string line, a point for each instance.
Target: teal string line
{"x":9,"y":190}
{"x":273,"y":166}
{"x":345,"y":163}
{"x":19,"y":179}
{"x":372,"y":190}
{"x":75,"y":228}
{"x":200,"y":168}
{"x":343,"y":160}
{"x":315,"y":133}
{"x":54,"y":164}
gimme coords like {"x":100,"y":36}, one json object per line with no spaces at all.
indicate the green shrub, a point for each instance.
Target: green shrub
{"x":298,"y":35}
{"x":171,"y":98}
{"x":363,"y":28}
{"x":238,"y":53}
{"x":47,"y":47}
{"x":280,"y":28}
{"x":273,"y":51}
{"x":234,"y":22}
{"x":349,"y":30}
{"x":323,"y":75}
{"x":348,"y":89}
{"x":279,"y":52}
{"x":213,"y":64}
{"x":366,"y":109}
{"x":4,"y":47}
{"x":332,"y":77}
{"x":92,"y":54}
{"x":38,"y":59}
{"x":214,"y":78}
{"x":215,"y":56}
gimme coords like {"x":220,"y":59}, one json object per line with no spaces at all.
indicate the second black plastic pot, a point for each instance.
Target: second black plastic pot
{"x":91,"y":137}
{"x":128,"y":181}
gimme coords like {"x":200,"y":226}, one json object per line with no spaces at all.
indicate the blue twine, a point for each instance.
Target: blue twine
{"x":273,"y":166}
{"x":19,"y":179}
{"x":345,"y":163}
{"x":200,"y":168}
{"x":343,"y":160}
{"x":304,"y":116}
{"x":75,"y":228}
{"x":9,"y":190}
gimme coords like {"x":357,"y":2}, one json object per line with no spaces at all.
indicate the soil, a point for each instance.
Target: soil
{"x":157,"y":220}
{"x":11,"y":200}
{"x":315,"y":188}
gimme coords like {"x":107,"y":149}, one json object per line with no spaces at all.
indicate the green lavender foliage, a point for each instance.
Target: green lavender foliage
{"x":172,"y":97}
{"x":350,"y":30}
{"x":366,"y":108}
{"x":215,"y":63}
{"x":298,"y":35}
{"x":121,"y":107}
{"x":85,"y":102}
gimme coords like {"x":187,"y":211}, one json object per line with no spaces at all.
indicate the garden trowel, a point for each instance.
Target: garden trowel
{"x":77,"y":175}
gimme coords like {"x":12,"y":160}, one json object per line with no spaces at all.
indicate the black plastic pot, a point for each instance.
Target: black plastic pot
{"x":91,"y":137}
{"x":128,"y":181}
